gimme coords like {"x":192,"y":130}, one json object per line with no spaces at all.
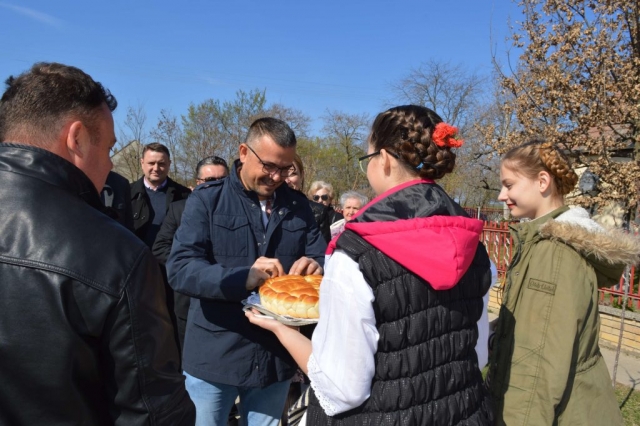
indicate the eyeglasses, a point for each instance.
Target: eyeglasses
{"x":323,"y":197}
{"x":364,"y":160}
{"x":271,"y":169}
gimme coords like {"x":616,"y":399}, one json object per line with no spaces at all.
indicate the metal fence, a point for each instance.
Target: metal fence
{"x":497,"y":239}
{"x":490,"y":214}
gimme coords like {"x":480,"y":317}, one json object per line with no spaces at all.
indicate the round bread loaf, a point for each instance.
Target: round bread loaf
{"x":293,"y":295}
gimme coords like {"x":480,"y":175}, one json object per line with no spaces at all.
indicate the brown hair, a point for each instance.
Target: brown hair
{"x":35,"y":102}
{"x":406,"y":132}
{"x":537,"y":155}
{"x":277,"y":129}
{"x":156,"y":147}
{"x":297,"y":161}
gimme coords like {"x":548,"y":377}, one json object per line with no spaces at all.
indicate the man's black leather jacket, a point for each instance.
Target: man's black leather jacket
{"x":85,"y":337}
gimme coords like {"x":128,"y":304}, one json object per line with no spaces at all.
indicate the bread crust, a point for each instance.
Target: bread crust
{"x":296,"y":296}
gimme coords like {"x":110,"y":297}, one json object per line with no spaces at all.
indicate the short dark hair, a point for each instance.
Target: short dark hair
{"x":156,"y":147}
{"x":277,"y":129}
{"x":34,"y":102}
{"x":213,"y":160}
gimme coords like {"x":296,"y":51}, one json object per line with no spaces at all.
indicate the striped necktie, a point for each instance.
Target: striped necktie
{"x":267,"y":207}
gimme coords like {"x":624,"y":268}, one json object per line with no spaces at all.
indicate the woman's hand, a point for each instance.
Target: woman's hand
{"x":295,"y":342}
{"x":268,"y":323}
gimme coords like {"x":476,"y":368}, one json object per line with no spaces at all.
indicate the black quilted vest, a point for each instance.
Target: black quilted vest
{"x":426,"y":366}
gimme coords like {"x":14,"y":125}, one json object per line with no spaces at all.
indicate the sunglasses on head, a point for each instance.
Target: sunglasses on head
{"x":210,"y":179}
{"x":324,"y":197}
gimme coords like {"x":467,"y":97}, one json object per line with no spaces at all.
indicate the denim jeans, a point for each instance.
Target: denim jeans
{"x":258,"y":406}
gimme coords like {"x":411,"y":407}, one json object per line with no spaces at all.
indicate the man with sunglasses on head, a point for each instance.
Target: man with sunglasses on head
{"x":236,"y":233}
{"x":209,"y":169}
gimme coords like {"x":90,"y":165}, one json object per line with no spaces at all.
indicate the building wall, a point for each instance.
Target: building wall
{"x":127,"y":161}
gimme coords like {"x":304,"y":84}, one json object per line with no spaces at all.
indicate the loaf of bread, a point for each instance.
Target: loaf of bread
{"x":292,"y":295}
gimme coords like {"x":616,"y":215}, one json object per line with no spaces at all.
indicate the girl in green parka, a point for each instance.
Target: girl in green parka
{"x":546,"y":367}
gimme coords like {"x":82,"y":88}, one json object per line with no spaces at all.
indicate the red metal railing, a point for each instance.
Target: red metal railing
{"x":491,"y":214}
{"x":499,"y":244}
{"x":497,"y":239}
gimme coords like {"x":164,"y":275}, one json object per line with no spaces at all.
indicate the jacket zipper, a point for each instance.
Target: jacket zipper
{"x":513,"y":263}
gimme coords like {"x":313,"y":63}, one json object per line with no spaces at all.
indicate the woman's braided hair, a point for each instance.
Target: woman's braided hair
{"x":538,"y":155}
{"x":406,"y":131}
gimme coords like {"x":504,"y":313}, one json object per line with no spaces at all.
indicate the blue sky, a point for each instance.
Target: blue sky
{"x":313,"y":56}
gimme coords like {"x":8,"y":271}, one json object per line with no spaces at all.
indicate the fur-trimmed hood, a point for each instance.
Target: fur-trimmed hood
{"x":608,"y":250}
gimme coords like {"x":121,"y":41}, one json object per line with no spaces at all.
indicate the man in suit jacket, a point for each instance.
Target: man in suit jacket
{"x":152,"y":194}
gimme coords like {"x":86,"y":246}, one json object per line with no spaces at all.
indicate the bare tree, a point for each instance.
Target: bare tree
{"x":131,"y":137}
{"x":215,"y":128}
{"x":169,"y":133}
{"x":295,"y":118}
{"x":460,"y":97}
{"x":345,"y":136}
{"x":577,"y":84}
{"x":450,"y":90}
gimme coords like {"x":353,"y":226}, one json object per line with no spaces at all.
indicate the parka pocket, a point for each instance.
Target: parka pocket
{"x":532,"y":320}
{"x":229,"y":235}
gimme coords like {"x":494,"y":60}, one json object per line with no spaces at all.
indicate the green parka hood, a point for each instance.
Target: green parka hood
{"x":607,"y":250}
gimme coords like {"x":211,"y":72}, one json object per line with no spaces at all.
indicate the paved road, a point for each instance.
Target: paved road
{"x":628,"y":367}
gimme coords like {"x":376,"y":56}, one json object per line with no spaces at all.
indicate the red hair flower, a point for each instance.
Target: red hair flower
{"x":444,"y":135}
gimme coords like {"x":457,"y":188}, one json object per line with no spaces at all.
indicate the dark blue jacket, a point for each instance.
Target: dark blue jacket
{"x":220,"y":237}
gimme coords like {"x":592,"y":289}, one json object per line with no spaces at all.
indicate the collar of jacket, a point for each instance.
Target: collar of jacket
{"x":607,"y":250}
{"x":412,"y":223}
{"x":49,"y":168}
{"x":415,"y":198}
{"x":236,"y":184}
{"x":528,"y":231}
{"x":138,"y":188}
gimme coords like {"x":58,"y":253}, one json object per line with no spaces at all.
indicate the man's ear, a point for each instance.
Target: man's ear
{"x":242,"y":151}
{"x":75,"y":139}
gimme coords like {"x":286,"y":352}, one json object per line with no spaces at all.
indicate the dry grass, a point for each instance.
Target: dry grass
{"x":629,"y":400}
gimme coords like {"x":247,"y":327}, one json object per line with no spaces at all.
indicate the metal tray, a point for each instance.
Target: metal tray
{"x":253,"y":301}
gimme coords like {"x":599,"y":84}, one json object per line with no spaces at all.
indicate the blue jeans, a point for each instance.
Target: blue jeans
{"x":258,"y":406}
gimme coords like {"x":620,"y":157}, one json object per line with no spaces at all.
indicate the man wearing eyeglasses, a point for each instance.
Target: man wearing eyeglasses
{"x":209,"y":169}
{"x":235,"y":233}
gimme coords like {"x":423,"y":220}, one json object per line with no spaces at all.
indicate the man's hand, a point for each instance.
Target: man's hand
{"x":306,"y":266}
{"x":262,"y":269}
